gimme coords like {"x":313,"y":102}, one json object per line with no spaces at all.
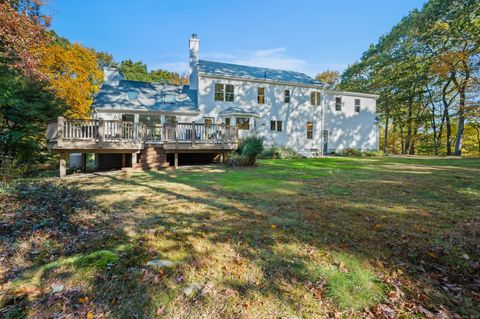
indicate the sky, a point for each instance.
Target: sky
{"x":307,"y":36}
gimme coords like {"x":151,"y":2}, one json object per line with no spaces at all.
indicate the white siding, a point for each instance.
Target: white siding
{"x":294,"y":115}
{"x":347,"y":128}
{"x":350,"y":129}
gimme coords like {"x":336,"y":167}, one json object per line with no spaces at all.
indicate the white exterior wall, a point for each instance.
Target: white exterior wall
{"x":347,"y":128}
{"x":350,"y":129}
{"x":294,"y":115}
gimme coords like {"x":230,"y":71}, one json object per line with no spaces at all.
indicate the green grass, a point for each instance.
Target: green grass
{"x":303,"y":238}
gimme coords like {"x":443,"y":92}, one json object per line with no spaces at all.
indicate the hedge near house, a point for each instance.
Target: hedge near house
{"x":246,"y":153}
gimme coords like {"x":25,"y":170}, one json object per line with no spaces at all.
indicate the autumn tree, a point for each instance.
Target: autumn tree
{"x":424,"y":70}
{"x":21,"y":31}
{"x":73,"y":75}
{"x":329,"y":77}
{"x":104,"y":59}
{"x":26,"y":103}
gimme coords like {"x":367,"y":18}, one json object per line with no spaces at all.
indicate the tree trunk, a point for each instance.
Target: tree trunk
{"x":449,"y":132}
{"x":461,"y":124}
{"x":477,"y":128}
{"x":385,"y":134}
{"x":409,"y":130}
{"x":411,"y":150}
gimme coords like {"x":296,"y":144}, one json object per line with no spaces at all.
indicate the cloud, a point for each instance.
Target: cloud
{"x":268,"y":52}
{"x":275,"y":58}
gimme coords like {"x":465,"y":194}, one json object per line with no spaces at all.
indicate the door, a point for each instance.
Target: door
{"x":325,"y":142}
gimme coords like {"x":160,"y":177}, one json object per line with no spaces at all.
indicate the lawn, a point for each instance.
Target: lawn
{"x":308,"y":238}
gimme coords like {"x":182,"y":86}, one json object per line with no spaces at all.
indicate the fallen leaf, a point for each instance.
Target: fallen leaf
{"x":90,"y":315}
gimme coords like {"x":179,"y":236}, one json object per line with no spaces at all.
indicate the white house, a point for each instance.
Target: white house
{"x":286,"y":108}
{"x":150,"y":125}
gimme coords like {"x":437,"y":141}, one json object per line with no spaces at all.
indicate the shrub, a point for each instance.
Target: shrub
{"x":276,"y":152}
{"x":246,"y":153}
{"x":358,"y":153}
{"x":11,"y":169}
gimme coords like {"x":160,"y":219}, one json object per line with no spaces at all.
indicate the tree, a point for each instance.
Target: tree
{"x":104,"y":59}
{"x":20,"y":33}
{"x":73,"y":75}
{"x":329,"y":77}
{"x":136,"y":71}
{"x":23,"y":114}
{"x":424,"y":70}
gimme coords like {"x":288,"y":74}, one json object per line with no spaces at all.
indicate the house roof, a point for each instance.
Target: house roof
{"x":253,"y":72}
{"x":145,"y":97}
{"x":239,"y":110}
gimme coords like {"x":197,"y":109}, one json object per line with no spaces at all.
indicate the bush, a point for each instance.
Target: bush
{"x":11,"y":169}
{"x":246,"y":153}
{"x":358,"y":153}
{"x":276,"y":152}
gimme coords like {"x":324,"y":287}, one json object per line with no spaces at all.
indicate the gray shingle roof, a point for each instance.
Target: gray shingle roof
{"x":252,"y":72}
{"x":145,"y":96}
{"x":239,"y":110}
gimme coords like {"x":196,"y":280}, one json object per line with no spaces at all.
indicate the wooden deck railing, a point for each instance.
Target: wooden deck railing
{"x":120,"y":131}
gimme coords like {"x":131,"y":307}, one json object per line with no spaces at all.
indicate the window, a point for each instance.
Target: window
{"x":219,"y":92}
{"x":309,"y":130}
{"x":276,"y":126}
{"x":279,"y":126}
{"x":315,"y":98}
{"x":224,"y":92}
{"x":169,"y":97}
{"x":132,"y":95}
{"x":338,"y":104}
{"x":243,"y":123}
{"x":229,"y":94}
{"x":286,"y":98}
{"x":227,"y":122}
{"x":261,"y":95}
{"x":357,"y":105}
{"x":128,"y":117}
{"x":170,"y":119}
{"x":149,"y":119}
{"x":208,"y":121}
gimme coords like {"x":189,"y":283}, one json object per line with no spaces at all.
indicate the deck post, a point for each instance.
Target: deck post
{"x":222,"y":136}
{"x":176,"y":160}
{"x":101,"y":130}
{"x":136,"y":118}
{"x":84,"y":162}
{"x":123,"y":160}
{"x":63,"y":165}
{"x":194,"y":134}
{"x":60,"y":121}
{"x":134,"y":159}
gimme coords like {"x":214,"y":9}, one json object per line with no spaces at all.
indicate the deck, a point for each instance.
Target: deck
{"x":66,"y":136}
{"x":103,"y":136}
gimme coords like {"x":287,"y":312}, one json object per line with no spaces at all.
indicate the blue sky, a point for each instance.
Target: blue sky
{"x":307,"y":36}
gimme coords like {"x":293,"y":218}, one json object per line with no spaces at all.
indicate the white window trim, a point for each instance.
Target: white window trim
{"x":264,"y":95}
{"x":355,"y":105}
{"x":224,"y":92}
{"x":285,"y":96}
{"x":341,"y":104}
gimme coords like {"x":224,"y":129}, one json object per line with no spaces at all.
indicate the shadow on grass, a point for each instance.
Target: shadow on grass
{"x":280,"y":247}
